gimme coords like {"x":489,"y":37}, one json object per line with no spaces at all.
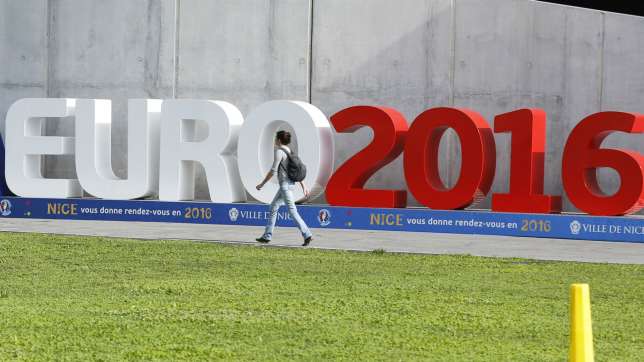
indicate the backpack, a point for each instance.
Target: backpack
{"x":295,"y":169}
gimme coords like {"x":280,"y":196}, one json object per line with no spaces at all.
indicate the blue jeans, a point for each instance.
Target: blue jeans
{"x":285,"y":196}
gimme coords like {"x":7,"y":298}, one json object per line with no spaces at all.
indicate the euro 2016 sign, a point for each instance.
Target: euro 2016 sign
{"x":164,"y":144}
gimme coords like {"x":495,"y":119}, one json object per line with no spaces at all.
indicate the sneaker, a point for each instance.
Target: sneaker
{"x":262,"y":240}
{"x":307,"y":241}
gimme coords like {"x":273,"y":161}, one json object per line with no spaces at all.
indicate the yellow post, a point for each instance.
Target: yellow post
{"x":581,"y":330}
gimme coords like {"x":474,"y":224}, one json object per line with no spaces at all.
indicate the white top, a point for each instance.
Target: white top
{"x":280,"y":157}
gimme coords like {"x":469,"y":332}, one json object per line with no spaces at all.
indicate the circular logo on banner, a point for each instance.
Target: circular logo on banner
{"x":5,"y":207}
{"x":575,"y":227}
{"x":233,"y":214}
{"x":324,"y":217}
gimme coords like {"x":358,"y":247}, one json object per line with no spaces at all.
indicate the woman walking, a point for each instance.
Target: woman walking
{"x":285,"y":192}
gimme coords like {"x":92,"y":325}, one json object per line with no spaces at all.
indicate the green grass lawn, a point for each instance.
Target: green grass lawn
{"x":81,"y":298}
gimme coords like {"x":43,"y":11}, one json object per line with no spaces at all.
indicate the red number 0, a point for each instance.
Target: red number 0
{"x":582,"y":156}
{"x":421,"y":158}
{"x":345,"y":188}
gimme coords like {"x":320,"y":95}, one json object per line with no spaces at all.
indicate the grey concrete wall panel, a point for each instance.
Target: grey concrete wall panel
{"x":23,"y":52}
{"x":517,"y":54}
{"x":242,"y":52}
{"x":623,"y":59}
{"x":389,"y":53}
{"x":623,"y":81}
{"x":116,"y":50}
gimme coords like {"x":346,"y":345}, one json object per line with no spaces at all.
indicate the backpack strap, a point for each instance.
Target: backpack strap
{"x":286,"y":150}
{"x":288,"y":157}
{"x":288,"y":153}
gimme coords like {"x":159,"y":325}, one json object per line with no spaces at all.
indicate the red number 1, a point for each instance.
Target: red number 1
{"x":528,"y":128}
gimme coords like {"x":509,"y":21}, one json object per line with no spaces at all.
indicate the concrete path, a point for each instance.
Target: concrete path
{"x":428,"y":243}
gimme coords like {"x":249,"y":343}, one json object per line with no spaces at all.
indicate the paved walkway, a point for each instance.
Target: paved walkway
{"x":427,"y":243}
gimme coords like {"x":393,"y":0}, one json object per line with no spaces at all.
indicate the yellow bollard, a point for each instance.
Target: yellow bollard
{"x":581,"y":330}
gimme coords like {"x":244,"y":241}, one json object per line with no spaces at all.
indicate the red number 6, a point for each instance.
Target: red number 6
{"x":582,"y":156}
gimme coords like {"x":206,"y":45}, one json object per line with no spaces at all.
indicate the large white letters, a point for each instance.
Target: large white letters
{"x":164,"y":144}
{"x":93,"y":148}
{"x":179,"y":150}
{"x":257,"y":137}
{"x":25,"y":145}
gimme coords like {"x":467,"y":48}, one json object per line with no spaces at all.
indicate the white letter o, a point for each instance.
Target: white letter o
{"x":257,"y":136}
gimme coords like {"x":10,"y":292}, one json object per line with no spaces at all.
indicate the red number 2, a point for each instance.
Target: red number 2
{"x":345,"y":188}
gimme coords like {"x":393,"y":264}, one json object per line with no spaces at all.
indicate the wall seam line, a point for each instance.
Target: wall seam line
{"x":48,"y":70}
{"x":452,"y":172}
{"x":48,"y":34}
{"x":601,"y":63}
{"x":177,"y":23}
{"x":309,"y":85}
{"x":452,"y":64}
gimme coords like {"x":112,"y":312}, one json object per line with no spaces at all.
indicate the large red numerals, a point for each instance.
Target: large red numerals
{"x":421,"y":158}
{"x":582,"y":156}
{"x":528,"y":128}
{"x":389,"y":130}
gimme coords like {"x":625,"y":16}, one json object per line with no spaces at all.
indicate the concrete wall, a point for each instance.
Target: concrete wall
{"x":381,"y":52}
{"x":492,"y":56}
{"x":528,"y":55}
{"x":243,"y":52}
{"x":116,"y":50}
{"x":23,"y":51}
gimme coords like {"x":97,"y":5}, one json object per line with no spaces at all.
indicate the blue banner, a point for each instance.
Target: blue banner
{"x":564,"y":226}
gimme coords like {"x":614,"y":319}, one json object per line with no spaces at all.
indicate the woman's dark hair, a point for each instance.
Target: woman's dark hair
{"x":284,"y":137}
